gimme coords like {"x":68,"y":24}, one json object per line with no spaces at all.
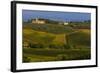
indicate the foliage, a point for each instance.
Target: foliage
{"x":26,"y":59}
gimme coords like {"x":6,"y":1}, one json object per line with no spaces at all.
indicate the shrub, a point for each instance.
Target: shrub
{"x":61,"y":57}
{"x":26,"y":59}
{"x":38,"y":45}
{"x":66,"y":46}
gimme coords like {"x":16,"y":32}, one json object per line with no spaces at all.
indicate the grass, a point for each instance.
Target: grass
{"x":37,"y":55}
{"x":37,"y":36}
{"x":85,"y":31}
{"x":60,"y":38}
{"x":38,"y":58}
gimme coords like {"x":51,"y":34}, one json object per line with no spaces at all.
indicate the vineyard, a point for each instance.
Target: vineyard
{"x":56,"y":42}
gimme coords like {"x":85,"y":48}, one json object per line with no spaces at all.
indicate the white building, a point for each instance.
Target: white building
{"x":38,"y":21}
{"x":65,"y":23}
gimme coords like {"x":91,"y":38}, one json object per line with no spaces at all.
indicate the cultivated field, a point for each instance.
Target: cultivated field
{"x":56,"y":42}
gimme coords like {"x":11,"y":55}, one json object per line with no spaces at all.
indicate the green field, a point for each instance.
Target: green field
{"x":54,"y":42}
{"x":39,"y":55}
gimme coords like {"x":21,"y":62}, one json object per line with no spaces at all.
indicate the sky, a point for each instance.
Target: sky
{"x":55,"y":15}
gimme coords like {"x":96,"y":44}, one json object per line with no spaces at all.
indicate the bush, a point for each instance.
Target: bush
{"x":26,"y":59}
{"x":56,"y":46}
{"x":66,"y":46}
{"x":38,"y":45}
{"x":61,"y":57}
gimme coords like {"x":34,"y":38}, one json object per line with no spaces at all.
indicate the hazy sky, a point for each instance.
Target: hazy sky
{"x":62,"y":16}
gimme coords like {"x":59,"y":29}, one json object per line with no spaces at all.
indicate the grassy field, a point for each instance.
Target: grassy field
{"x":52,"y":42}
{"x":40,"y":55}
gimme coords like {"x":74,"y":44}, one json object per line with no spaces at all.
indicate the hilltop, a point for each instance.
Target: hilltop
{"x":57,"y":27}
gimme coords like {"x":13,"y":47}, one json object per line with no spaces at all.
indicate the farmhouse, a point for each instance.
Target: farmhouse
{"x":38,"y":21}
{"x":65,"y":23}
